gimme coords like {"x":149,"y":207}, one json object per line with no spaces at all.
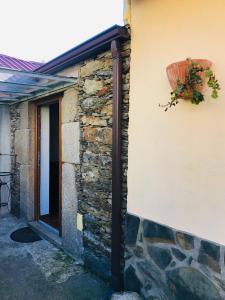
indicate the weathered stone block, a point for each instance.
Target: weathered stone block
{"x":158,"y":233}
{"x":24,"y":191}
{"x":132,"y":226}
{"x":126,"y":296}
{"x":92,"y":86}
{"x":91,"y":66}
{"x":162,"y":257}
{"x":138,"y":251}
{"x":69,"y":105}
{"x":70,"y":72}
{"x":71,"y":237}
{"x":188,"y":283}
{"x":209,"y":255}
{"x":185,"y":241}
{"x":132,"y":282}
{"x":98,"y":265}
{"x":22,"y":139}
{"x":71,"y":143}
{"x":97,"y":159}
{"x":69,"y":192}
{"x":107,"y":110}
{"x":102,"y":135}
{"x":178,"y":254}
{"x":92,"y":104}
{"x":93,"y":121}
{"x":24,"y":117}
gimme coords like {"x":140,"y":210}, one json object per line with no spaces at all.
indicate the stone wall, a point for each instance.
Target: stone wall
{"x":22,"y":145}
{"x":163,"y":263}
{"x":71,"y":236}
{"x":86,"y":160}
{"x":95,"y":197}
{"x":95,"y":96}
{"x":15,"y":180}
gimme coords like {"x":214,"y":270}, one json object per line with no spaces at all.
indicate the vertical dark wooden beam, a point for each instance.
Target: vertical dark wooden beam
{"x":117,"y":279}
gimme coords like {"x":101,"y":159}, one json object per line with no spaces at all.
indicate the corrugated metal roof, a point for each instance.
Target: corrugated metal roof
{"x":18,"y":64}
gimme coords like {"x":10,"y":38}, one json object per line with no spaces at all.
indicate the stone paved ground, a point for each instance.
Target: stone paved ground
{"x":40,"y":271}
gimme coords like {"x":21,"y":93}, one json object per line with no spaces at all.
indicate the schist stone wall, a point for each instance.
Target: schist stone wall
{"x":95,"y":196}
{"x":166,"y":264}
{"x":86,"y":159}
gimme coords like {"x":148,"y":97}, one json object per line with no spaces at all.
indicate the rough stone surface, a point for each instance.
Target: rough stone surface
{"x":22,"y":146}
{"x":126,"y":296}
{"x":189,"y":283}
{"x":71,"y":237}
{"x":168,"y":268}
{"x":15,"y":179}
{"x":24,"y":190}
{"x":69,"y":106}
{"x":210,"y":256}
{"x":132,"y":226}
{"x":70,"y":142}
{"x":95,"y":183}
{"x":157,"y":232}
{"x":132,"y":281}
{"x":185,"y":241}
{"x":161,"y":257}
{"x":178,"y":254}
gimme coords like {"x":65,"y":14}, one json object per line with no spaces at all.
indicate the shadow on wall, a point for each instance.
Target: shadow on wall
{"x":5,"y":161}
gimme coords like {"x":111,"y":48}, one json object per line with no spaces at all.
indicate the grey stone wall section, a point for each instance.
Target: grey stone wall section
{"x":86,"y":158}
{"x":71,"y":236}
{"x":15,"y":180}
{"x":95,"y":196}
{"x":167,"y":264}
{"x":22,"y":145}
{"x":95,"y":113}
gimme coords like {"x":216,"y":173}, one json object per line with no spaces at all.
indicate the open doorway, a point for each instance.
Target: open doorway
{"x":49,"y":165}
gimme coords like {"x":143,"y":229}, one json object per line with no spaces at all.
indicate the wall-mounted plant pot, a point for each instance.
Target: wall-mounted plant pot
{"x":178,"y":71}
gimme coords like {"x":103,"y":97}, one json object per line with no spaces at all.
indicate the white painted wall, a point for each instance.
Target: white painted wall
{"x":176,"y":173}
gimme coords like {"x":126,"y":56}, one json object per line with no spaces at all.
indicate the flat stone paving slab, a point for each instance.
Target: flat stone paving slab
{"x":40,"y":271}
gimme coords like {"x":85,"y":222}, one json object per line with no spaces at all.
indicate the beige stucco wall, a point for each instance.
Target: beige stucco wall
{"x":177,"y":158}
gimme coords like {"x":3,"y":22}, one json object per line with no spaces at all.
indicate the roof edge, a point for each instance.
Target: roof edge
{"x":92,"y":46}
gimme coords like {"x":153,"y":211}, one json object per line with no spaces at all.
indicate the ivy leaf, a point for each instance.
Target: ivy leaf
{"x":214,"y":94}
{"x":208,"y":73}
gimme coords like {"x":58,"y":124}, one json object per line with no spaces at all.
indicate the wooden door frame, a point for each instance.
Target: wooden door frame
{"x":45,"y":101}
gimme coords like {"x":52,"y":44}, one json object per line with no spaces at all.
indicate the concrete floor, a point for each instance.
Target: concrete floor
{"x":40,"y":271}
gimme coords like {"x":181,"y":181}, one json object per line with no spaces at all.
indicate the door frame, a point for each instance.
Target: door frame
{"x":44,"y":101}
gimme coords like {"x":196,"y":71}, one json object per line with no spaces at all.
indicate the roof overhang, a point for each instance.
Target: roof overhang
{"x":17,"y":86}
{"x":95,"y":45}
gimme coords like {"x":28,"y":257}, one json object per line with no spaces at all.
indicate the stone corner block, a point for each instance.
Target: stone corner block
{"x":22,"y":139}
{"x":24,"y":116}
{"x":69,"y":105}
{"x":71,"y":142}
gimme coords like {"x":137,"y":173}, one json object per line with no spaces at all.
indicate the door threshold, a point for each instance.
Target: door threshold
{"x":46,"y":232}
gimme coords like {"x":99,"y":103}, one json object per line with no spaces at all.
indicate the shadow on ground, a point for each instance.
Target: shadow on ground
{"x":40,"y":271}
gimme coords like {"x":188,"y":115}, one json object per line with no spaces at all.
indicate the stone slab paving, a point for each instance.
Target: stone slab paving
{"x":40,"y":271}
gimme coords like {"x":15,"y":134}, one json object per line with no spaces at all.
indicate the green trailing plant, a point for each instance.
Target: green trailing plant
{"x":190,"y":89}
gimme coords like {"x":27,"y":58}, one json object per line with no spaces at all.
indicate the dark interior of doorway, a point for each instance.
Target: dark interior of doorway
{"x":52,"y":218}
